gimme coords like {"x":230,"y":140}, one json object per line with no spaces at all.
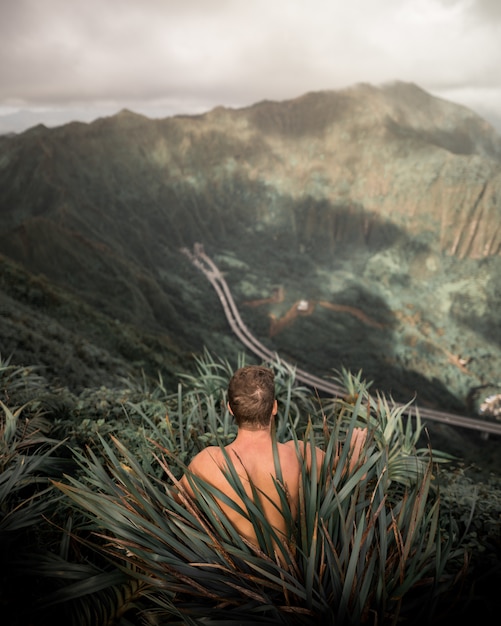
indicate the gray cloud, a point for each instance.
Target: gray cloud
{"x":486,"y":9}
{"x":190,"y":55}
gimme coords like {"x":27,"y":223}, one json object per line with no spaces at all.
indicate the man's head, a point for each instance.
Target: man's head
{"x":251,"y":396}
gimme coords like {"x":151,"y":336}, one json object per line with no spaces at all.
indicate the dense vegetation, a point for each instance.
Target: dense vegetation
{"x":352,"y":200}
{"x":90,"y":530}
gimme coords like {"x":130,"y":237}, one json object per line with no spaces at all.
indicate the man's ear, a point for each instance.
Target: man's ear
{"x":229,"y":408}
{"x":275,"y":408}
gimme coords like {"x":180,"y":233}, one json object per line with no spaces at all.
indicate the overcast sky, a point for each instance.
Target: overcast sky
{"x":81,"y":59}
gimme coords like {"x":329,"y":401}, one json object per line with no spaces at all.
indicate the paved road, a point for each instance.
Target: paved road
{"x":211,"y":271}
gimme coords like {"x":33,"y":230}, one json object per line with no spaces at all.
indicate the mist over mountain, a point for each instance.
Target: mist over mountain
{"x":379,"y":207}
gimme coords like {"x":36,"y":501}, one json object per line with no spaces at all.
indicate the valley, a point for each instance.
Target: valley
{"x":352,"y":230}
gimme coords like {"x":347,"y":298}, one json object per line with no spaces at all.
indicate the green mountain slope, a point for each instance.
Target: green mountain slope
{"x":380,"y":207}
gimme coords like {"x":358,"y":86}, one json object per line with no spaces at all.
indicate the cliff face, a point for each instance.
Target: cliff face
{"x":395,"y":155}
{"x":386,"y":200}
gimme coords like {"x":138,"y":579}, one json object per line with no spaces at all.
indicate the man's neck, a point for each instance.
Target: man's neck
{"x":253,"y":437}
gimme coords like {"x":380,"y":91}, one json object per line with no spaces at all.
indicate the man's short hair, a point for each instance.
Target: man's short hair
{"x":251,"y":394}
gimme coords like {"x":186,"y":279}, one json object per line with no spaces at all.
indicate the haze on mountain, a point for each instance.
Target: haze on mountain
{"x":84,"y":59}
{"x":378,"y":207}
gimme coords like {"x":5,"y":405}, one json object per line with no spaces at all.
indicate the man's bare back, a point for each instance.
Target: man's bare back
{"x":251,"y":395}
{"x":252,"y":457}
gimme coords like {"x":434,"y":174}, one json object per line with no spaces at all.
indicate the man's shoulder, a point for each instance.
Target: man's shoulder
{"x":305,"y":450}
{"x":210,"y":452}
{"x":296,"y":445}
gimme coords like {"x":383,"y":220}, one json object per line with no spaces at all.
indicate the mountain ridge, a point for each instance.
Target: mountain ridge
{"x":385,"y":200}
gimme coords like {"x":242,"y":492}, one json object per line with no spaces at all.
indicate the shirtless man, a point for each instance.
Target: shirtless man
{"x":251,"y":400}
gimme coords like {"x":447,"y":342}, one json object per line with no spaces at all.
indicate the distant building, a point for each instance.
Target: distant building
{"x":491,"y":406}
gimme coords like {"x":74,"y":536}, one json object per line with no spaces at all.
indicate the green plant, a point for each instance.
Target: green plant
{"x":19,"y":384}
{"x":367,"y":547}
{"x":383,"y":543}
{"x":28,"y":460}
{"x":396,"y":428}
{"x":85,"y":591}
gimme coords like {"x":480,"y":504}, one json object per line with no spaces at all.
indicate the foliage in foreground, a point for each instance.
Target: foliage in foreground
{"x":370,"y":547}
{"x":362,"y":544}
{"x":29,"y":459}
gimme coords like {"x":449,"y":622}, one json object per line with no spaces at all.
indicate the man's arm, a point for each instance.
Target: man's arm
{"x":184,"y":483}
{"x":358,"y":437}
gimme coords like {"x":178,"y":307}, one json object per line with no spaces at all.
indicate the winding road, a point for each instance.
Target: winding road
{"x":211,"y":271}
